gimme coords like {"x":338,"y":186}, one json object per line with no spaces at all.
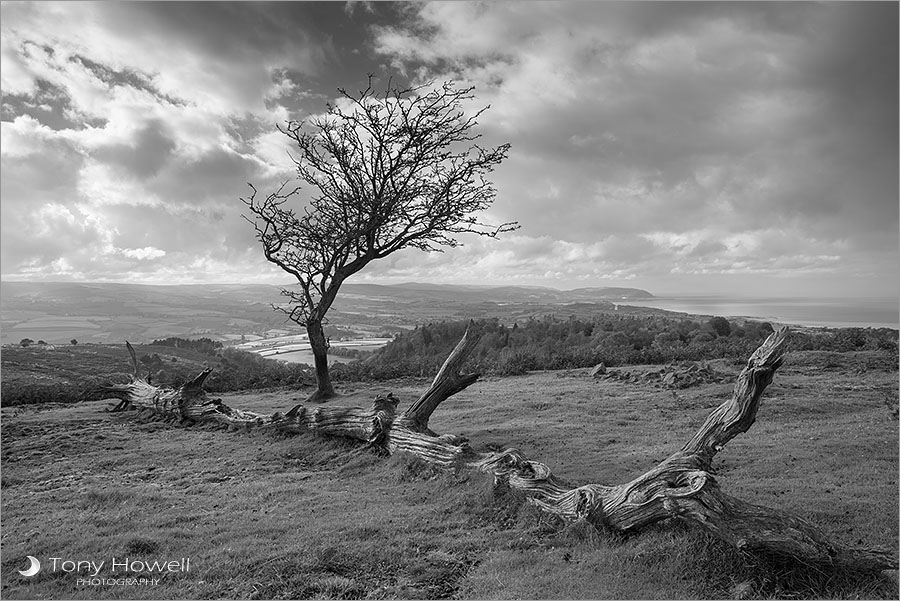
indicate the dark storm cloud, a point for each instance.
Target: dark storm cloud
{"x":317,"y":42}
{"x":208,"y":179}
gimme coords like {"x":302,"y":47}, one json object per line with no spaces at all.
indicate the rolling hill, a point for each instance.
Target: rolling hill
{"x":58,"y":312}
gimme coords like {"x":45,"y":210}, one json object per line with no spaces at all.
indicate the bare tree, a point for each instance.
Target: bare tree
{"x":387,"y":171}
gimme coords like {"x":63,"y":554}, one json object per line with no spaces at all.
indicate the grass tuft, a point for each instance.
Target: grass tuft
{"x":141,"y":546}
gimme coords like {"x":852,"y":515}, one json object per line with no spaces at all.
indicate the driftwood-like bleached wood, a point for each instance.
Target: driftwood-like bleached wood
{"x":186,"y":403}
{"x":191,"y":404}
{"x":447,"y":382}
{"x":679,"y":487}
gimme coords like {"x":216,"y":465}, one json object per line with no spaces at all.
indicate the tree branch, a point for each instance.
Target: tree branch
{"x":736,"y":415}
{"x":448,"y":382}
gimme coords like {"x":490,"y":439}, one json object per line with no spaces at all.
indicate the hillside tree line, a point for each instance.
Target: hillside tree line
{"x":551,"y":342}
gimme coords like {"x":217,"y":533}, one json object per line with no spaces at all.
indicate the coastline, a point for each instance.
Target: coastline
{"x":812,"y":312}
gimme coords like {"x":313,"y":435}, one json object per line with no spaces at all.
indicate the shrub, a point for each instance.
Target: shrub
{"x":720,"y":325}
{"x":206,"y":346}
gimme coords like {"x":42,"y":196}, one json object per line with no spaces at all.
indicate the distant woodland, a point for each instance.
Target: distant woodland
{"x":614,"y":340}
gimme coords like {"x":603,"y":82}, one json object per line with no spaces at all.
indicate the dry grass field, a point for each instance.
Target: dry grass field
{"x":270,"y":516}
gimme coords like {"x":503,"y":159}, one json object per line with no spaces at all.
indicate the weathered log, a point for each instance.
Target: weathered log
{"x":679,"y":487}
{"x":191,"y":404}
{"x":187,"y":402}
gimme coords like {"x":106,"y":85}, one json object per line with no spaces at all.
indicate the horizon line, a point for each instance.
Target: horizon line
{"x":659,"y":295}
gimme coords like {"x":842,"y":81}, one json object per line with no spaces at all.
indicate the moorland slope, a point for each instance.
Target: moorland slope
{"x":269,"y":516}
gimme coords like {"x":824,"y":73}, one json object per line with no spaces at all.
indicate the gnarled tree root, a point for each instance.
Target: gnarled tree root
{"x":680,"y":487}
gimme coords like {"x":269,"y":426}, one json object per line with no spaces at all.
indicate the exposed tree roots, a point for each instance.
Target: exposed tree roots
{"x":680,"y":487}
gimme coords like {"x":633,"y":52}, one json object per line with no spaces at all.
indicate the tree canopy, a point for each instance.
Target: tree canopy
{"x":385,"y":171}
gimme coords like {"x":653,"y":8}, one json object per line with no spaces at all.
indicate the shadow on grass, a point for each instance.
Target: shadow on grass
{"x":663,"y":561}
{"x":768,"y":577}
{"x":718,"y":570}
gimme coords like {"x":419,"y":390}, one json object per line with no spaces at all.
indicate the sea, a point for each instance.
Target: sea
{"x":811,"y":311}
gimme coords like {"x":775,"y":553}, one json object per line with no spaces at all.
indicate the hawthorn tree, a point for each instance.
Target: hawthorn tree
{"x":386,"y":171}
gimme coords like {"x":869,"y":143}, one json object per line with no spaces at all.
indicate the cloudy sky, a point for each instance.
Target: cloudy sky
{"x":677,"y":147}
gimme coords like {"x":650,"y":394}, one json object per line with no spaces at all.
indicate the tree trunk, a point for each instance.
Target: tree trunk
{"x":319,"y":344}
{"x":681,"y":487}
{"x":446,"y":383}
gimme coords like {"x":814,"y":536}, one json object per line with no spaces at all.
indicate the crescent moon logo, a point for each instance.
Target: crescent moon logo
{"x":33,"y":569}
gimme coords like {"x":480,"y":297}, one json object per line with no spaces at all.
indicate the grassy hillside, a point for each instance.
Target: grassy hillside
{"x":268,"y":516}
{"x":40,"y":374}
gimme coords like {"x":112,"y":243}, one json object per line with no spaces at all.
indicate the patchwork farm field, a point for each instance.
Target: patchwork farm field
{"x":271,"y":516}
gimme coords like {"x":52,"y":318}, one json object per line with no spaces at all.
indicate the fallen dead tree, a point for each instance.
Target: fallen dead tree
{"x":682,"y":486}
